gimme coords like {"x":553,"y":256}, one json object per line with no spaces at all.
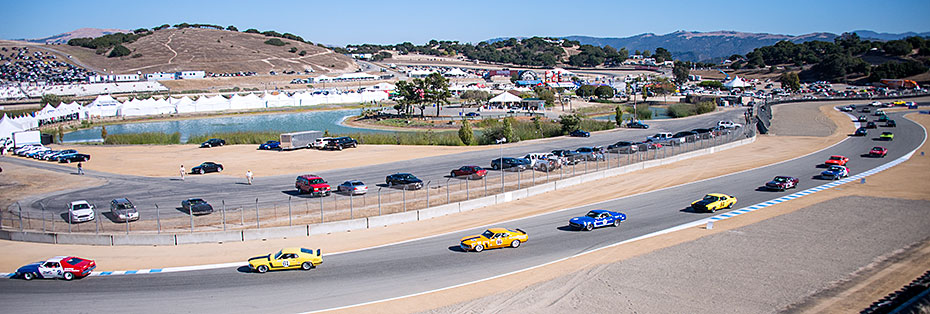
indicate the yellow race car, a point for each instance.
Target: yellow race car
{"x":494,"y":238}
{"x":288,"y":258}
{"x":713,"y":201}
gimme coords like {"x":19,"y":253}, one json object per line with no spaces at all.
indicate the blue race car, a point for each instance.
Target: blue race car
{"x":835,"y":172}
{"x":269,"y":145}
{"x":597,"y":218}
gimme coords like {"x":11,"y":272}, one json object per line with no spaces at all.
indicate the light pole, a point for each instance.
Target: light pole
{"x":501,"y":142}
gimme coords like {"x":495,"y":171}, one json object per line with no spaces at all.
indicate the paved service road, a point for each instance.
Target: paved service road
{"x":422,"y":265}
{"x":145,"y":192}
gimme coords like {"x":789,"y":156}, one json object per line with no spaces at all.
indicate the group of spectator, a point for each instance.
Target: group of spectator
{"x":19,"y":65}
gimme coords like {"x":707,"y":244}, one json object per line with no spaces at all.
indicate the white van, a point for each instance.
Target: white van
{"x":320,"y":142}
{"x":536,"y":158}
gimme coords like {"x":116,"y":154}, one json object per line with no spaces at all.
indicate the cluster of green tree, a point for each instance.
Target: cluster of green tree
{"x":837,"y":60}
{"x":381,"y":56}
{"x":276,"y":42}
{"x":594,"y":56}
{"x":536,"y":51}
{"x":421,"y":93}
{"x":107,"y":41}
{"x":186,"y":25}
{"x":601,"y":91}
{"x":896,"y":70}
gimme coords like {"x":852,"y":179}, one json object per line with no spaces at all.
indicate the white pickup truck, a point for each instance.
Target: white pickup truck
{"x":665,"y":137}
{"x":728,"y":125}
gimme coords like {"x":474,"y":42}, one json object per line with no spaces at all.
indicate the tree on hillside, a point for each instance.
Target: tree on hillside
{"x":119,"y":51}
{"x":252,"y":31}
{"x":662,"y":55}
{"x":897,"y":47}
{"x":790,"y":81}
{"x":232,"y":28}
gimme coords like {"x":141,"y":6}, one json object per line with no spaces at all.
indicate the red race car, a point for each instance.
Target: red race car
{"x":837,"y":160}
{"x":471,"y":172}
{"x":878,"y":151}
{"x":64,"y":267}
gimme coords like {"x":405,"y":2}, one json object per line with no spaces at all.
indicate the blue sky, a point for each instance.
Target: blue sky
{"x":361,"y":21}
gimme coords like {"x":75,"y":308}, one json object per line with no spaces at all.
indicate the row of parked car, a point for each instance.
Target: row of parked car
{"x":322,"y":143}
{"x":39,"y":151}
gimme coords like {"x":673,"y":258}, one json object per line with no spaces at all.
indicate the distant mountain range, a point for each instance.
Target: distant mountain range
{"x":715,"y":46}
{"x":63,"y":38}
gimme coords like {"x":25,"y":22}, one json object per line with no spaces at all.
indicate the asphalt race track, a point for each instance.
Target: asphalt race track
{"x":431,"y":263}
{"x":168,"y":193}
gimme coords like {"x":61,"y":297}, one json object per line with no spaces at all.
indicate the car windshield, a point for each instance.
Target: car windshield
{"x":278,"y":255}
{"x":488,"y":234}
{"x":317,"y":181}
{"x":74,"y":261}
{"x":308,"y":251}
{"x":126,"y":205}
{"x":710,"y":198}
{"x":780,"y":179}
{"x":81,"y":206}
{"x":876,"y":148}
{"x":836,"y":168}
{"x":835,"y":157}
{"x":592,"y":214}
{"x":886,"y":133}
{"x":197,"y":201}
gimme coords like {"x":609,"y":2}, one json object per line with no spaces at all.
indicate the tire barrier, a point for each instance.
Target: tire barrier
{"x":905,"y":300}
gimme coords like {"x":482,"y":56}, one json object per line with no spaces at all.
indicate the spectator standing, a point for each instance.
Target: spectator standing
{"x":248,"y":175}
{"x":182,"y":172}
{"x":80,"y":168}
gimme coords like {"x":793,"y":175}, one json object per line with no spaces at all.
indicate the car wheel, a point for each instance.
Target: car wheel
{"x":68,"y":161}
{"x":262,"y":269}
{"x":201,"y":171}
{"x":220,"y":169}
{"x":616,"y":222}
{"x":306,"y":266}
{"x":208,"y":146}
{"x":221,"y":144}
{"x":390,"y":184}
{"x":589,"y":227}
{"x":479,"y":248}
{"x":28,"y":276}
{"x":67,"y":276}
{"x":452,"y":174}
{"x":515,"y":244}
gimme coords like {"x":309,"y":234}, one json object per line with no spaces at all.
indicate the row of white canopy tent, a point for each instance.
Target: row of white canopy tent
{"x":106,"y":106}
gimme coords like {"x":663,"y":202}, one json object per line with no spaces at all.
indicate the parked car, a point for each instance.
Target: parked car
{"x":494,"y":238}
{"x":537,"y":158}
{"x":25,"y":148}
{"x":686,"y":136}
{"x":835,"y":173}
{"x":80,"y":211}
{"x":69,"y":158}
{"x":213,"y":142}
{"x":196,"y":206}
{"x":597,"y":218}
{"x":637,"y":125}
{"x":878,"y":151}
{"x":589,"y":153}
{"x":567,"y":157}
{"x":728,"y":124}
{"x":580,"y":133}
{"x":886,"y":136}
{"x":122,"y":209}
{"x":288,"y":258}
{"x":55,"y":156}
{"x":42,"y":154}
{"x":659,"y":137}
{"x":862,"y":131}
{"x":207,"y":167}
{"x":320,"y":142}
{"x":313,"y":184}
{"x":704,"y":133}
{"x":781,"y":183}
{"x":891,"y":124}
{"x":353,"y":187}
{"x":713,"y":202}
{"x":404,"y":179}
{"x":470,"y":172}
{"x":510,"y":164}
{"x":34,"y":152}
{"x":472,"y":114}
{"x":839,"y":160}
{"x":270,"y":145}
{"x":63,"y":267}
{"x":622,"y":147}
{"x":340,"y":143}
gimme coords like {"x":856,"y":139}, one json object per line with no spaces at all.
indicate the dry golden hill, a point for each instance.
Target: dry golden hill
{"x":211,"y":50}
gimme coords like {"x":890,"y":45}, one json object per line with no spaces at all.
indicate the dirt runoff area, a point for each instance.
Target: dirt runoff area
{"x":165,"y":160}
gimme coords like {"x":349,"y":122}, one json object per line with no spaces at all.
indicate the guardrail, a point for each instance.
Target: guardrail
{"x":298,"y":216}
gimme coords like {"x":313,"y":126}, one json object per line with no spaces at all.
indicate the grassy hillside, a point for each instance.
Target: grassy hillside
{"x":211,"y":50}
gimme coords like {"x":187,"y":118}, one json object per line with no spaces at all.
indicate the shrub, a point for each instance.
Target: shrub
{"x":119,"y":51}
{"x":570,"y":122}
{"x":275,"y":42}
{"x":681,"y":110}
{"x":292,"y":50}
{"x":302,"y":53}
{"x":643,"y":113}
{"x":705,"y":107}
{"x":466,"y":134}
{"x":143,"y":138}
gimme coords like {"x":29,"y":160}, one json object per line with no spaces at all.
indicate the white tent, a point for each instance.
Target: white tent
{"x":307,"y":99}
{"x":7,"y":127}
{"x":137,"y":107}
{"x":215,"y":103}
{"x":250,"y":101}
{"x":455,"y":72}
{"x":278,"y":99}
{"x":736,"y":82}
{"x":505,"y":97}
{"x":26,"y":122}
{"x":163,"y":106}
{"x":384,"y":86}
{"x":103,"y":106}
{"x":183,"y":105}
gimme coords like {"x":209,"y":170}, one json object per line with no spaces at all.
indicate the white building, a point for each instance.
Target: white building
{"x":159,"y":76}
{"x":187,"y":75}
